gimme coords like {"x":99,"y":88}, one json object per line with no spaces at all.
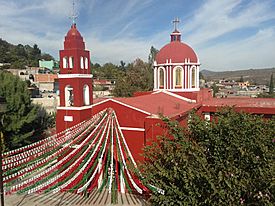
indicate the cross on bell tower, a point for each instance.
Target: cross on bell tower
{"x":75,"y":80}
{"x":74,"y":15}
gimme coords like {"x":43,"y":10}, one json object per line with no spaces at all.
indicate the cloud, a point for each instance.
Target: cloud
{"x":256,"y":51}
{"x":124,"y":30}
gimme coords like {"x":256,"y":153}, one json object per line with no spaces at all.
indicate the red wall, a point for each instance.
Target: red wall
{"x":78,"y":116}
{"x":128,"y":117}
{"x":77,"y":84}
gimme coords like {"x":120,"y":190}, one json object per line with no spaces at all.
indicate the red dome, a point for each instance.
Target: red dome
{"x":177,"y":52}
{"x":73,"y":32}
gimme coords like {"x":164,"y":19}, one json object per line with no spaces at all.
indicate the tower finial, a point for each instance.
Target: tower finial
{"x":175,"y":22}
{"x":74,"y":16}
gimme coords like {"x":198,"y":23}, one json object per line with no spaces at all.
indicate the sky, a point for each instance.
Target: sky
{"x":225,"y":34}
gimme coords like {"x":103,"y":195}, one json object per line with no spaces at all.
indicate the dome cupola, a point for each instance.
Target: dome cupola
{"x":176,"y":67}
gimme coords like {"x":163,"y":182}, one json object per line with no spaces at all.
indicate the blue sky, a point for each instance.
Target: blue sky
{"x":226,"y":34}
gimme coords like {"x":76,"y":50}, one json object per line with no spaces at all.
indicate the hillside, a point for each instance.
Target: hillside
{"x":19,"y":56}
{"x":256,"y":76}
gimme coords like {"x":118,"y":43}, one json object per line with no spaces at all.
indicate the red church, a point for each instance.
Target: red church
{"x":97,"y":140}
{"x":176,"y":92}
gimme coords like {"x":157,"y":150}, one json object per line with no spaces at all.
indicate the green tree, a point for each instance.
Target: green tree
{"x":229,"y":161}
{"x":215,"y":89}
{"x":271,"y":85}
{"x":24,"y":122}
{"x":138,"y":77}
{"x":152,"y":55}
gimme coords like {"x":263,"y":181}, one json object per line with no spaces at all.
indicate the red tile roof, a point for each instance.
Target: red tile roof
{"x":250,"y":105}
{"x":157,"y":103}
{"x":241,"y":102}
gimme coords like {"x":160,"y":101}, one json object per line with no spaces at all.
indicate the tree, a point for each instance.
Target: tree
{"x":24,"y":122}
{"x":152,"y":55}
{"x":215,"y":89}
{"x":241,"y":79}
{"x":271,"y":85}
{"x":229,"y":161}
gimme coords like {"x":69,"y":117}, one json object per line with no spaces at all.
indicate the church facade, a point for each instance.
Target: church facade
{"x":176,"y":92}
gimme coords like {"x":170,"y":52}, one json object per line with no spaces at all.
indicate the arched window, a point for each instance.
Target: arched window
{"x":193,"y":78}
{"x":178,"y":79}
{"x":86,"y":95}
{"x":81,"y":62}
{"x":161,"y":78}
{"x":86,"y":63}
{"x":69,"y":96}
{"x":71,"y":62}
{"x":65,"y":62}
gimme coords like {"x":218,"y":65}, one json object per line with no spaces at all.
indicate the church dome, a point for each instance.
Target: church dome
{"x":177,"y":52}
{"x":73,"y":32}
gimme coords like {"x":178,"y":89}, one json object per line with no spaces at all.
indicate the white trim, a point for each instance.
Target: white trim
{"x":68,"y":118}
{"x":170,"y":68}
{"x":132,"y":129}
{"x":193,"y":68}
{"x":155,"y":77}
{"x":164,"y":77}
{"x":177,"y":90}
{"x":66,"y":76}
{"x":75,"y":108}
{"x":178,"y":96}
{"x":174,"y":76}
{"x":126,"y":105}
{"x":178,"y":64}
{"x":207,"y":116}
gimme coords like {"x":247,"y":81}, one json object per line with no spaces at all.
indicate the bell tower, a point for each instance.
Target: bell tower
{"x":75,"y":82}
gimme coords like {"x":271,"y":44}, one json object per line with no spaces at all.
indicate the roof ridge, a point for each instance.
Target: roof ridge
{"x":179,"y":97}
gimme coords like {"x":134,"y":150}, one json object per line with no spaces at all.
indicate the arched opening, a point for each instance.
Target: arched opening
{"x":193,"y":78}
{"x":71,"y":62}
{"x":69,"y":96}
{"x":81,"y":62}
{"x":86,"y":63}
{"x":86,"y":95}
{"x":161,"y":78}
{"x":65,"y":62}
{"x":178,"y":77}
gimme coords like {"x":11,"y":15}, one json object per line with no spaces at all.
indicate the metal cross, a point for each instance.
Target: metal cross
{"x":74,"y":15}
{"x":175,"y":22}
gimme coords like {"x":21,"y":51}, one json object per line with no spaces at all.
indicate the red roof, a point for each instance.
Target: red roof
{"x":251,"y":105}
{"x":73,"y":32}
{"x":157,"y":103}
{"x":177,"y":52}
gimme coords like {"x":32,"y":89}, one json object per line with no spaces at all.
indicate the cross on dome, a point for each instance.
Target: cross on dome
{"x":176,"y":21}
{"x":74,"y":15}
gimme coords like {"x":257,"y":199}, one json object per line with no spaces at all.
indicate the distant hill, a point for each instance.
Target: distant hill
{"x":19,"y":56}
{"x":256,"y":76}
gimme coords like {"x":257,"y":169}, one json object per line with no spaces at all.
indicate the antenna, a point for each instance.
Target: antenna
{"x":175,"y":22}
{"x":74,"y":16}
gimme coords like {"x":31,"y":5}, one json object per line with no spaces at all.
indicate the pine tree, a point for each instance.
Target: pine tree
{"x":23,"y":121}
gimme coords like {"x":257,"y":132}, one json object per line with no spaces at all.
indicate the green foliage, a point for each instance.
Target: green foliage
{"x":23,"y":122}
{"x":138,"y":77}
{"x":229,"y":161}
{"x":215,"y":89}
{"x":20,"y":56}
{"x":266,"y":95}
{"x":152,"y":55}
